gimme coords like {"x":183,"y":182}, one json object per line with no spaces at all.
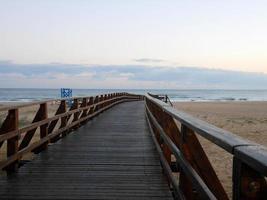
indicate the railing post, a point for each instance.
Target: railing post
{"x":91,"y":102}
{"x":84,"y":104}
{"x":248,"y":184}
{"x":43,"y":128}
{"x":11,"y":123}
{"x":194,"y":153}
{"x":40,"y":115}
{"x":64,"y":121}
{"x":185,"y":184}
{"x":101,"y":99}
{"x":61,"y":109}
{"x":76,"y":115}
{"x":84,"y":112}
{"x":96,"y":101}
{"x":75,"y":106}
{"x":105,"y":98}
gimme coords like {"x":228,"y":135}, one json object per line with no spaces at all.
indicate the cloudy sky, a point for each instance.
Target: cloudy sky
{"x":142,"y":43}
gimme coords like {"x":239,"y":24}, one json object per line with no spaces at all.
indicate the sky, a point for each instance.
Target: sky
{"x":110,"y":40}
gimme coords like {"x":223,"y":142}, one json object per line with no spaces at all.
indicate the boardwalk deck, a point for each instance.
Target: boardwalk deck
{"x":111,"y":157}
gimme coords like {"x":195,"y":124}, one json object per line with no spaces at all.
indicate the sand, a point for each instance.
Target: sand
{"x":26,"y":116}
{"x":246,"y":119}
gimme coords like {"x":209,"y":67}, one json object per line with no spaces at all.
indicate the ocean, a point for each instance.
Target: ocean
{"x":27,"y":95}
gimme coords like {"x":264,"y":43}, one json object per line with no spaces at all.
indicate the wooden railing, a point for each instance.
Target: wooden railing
{"x":187,"y":167}
{"x":18,"y":141}
{"x":163,"y":97}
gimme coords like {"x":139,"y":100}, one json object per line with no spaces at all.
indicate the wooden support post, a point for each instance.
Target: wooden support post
{"x":11,"y":123}
{"x":53,"y":123}
{"x":76,"y":115}
{"x":105,"y":98}
{"x":248,"y":184}
{"x":112,"y":96}
{"x":61,"y":109}
{"x":185,"y":183}
{"x":84,"y":104}
{"x":43,"y":128}
{"x":75,"y":106}
{"x":196,"y":156}
{"x":84,"y":112}
{"x":91,"y":102}
{"x":64,"y":121}
{"x":100,"y":100}
{"x":96,"y":101}
{"x":40,"y":115}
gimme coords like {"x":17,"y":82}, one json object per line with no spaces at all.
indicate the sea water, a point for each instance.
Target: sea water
{"x":27,"y":95}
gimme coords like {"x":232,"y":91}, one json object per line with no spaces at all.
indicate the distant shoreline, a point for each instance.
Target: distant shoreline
{"x":14,"y":103}
{"x":29,"y":95}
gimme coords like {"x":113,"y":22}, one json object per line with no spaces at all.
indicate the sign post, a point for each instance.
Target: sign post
{"x":67,"y":93}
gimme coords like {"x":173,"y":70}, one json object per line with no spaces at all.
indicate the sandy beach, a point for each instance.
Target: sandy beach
{"x":246,"y":119}
{"x":26,"y":116}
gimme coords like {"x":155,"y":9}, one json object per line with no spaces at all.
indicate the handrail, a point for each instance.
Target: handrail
{"x":250,"y":159}
{"x":28,"y":104}
{"x":33,"y":125}
{"x":163,"y":97}
{"x":19,"y":140}
{"x":188,"y":169}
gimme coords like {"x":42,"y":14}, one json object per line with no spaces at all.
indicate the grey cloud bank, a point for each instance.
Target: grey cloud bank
{"x":148,"y":60}
{"x":56,"y":75}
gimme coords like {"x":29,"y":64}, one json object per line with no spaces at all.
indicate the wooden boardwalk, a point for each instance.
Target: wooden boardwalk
{"x":111,"y":157}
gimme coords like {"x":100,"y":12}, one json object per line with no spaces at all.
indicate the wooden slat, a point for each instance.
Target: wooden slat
{"x":40,"y":115}
{"x":112,"y":157}
{"x":56,"y":133}
{"x":6,"y":135}
{"x":195,"y":154}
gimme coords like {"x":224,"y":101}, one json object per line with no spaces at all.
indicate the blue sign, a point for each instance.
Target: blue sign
{"x":66,"y":93}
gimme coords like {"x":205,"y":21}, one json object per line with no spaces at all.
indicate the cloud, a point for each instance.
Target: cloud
{"x":148,"y":60}
{"x":5,"y":76}
{"x":55,"y":75}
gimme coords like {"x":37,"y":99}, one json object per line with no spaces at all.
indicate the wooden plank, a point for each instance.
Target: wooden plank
{"x":11,"y":134}
{"x":112,"y":157}
{"x":56,"y":133}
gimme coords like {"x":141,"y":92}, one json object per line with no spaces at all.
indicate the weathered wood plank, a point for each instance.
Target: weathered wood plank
{"x":111,"y":157}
